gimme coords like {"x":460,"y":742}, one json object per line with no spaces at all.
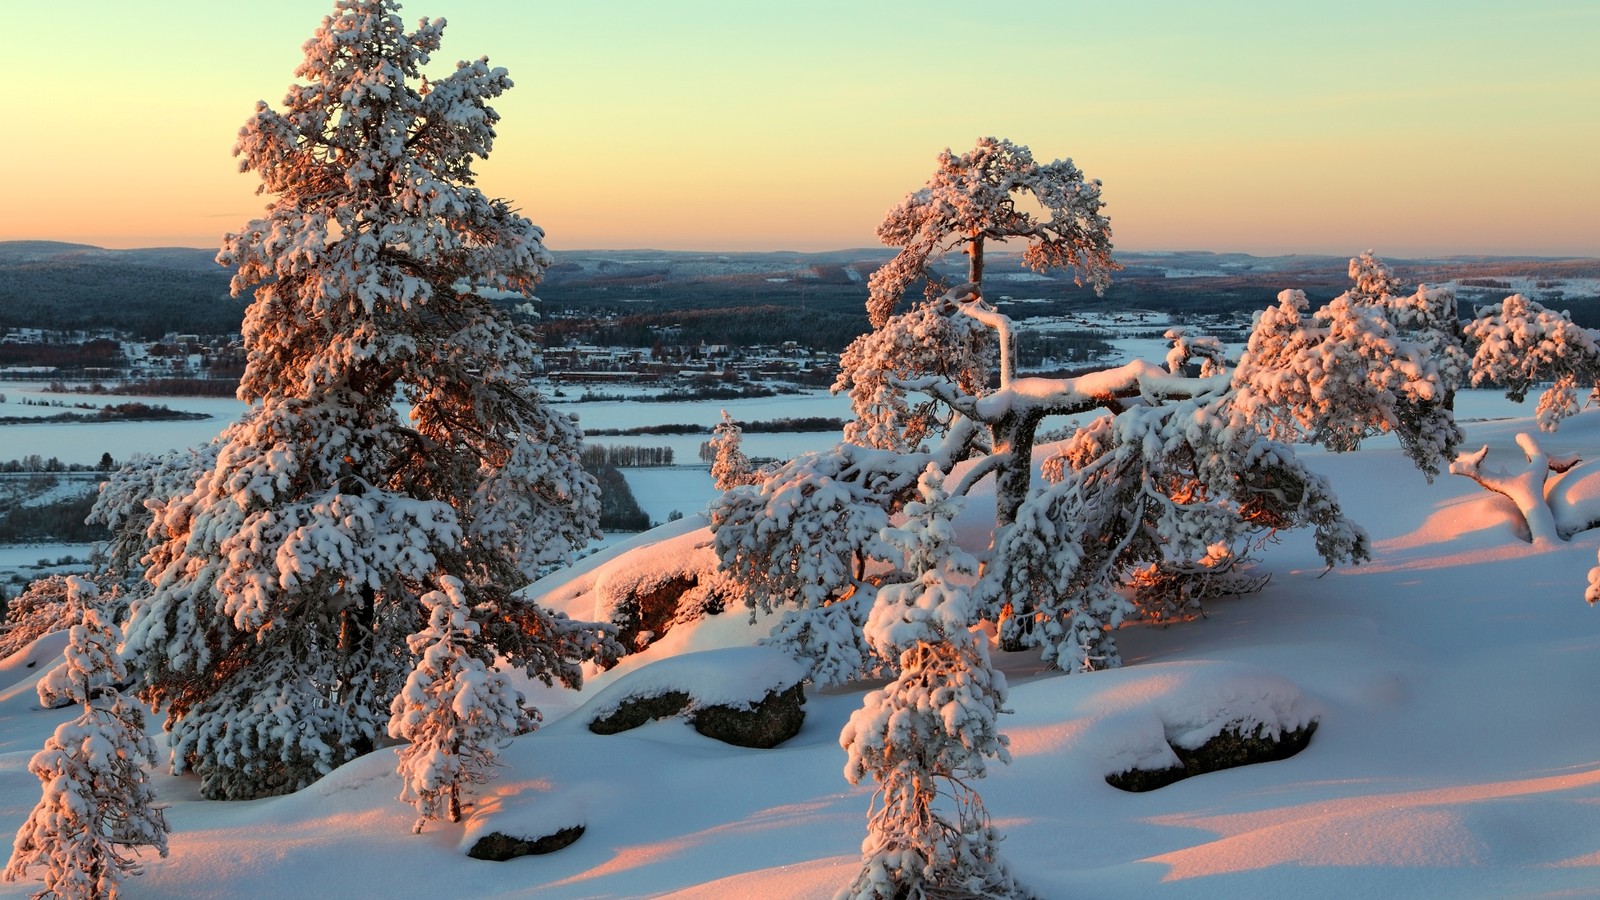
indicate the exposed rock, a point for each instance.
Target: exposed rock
{"x":499,"y":847}
{"x":767,"y":723}
{"x":763,"y":724}
{"x":645,"y":616}
{"x":635,"y":711}
{"x":1228,"y":749}
{"x":746,"y":696}
{"x":645,"y":595}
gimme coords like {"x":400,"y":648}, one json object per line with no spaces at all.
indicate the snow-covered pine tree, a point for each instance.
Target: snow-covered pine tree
{"x":1164,"y":484}
{"x":972,"y":199}
{"x":1516,"y":344}
{"x":925,"y":340}
{"x":1343,"y":374}
{"x":125,"y":505}
{"x":1374,"y":280}
{"x":929,"y":733}
{"x":96,"y":802}
{"x":804,"y":536}
{"x":1427,"y":318}
{"x":290,"y":577}
{"x":455,"y":708}
{"x":129,"y":502}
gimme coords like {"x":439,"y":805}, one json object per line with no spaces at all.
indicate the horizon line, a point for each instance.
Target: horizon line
{"x":999,"y":251}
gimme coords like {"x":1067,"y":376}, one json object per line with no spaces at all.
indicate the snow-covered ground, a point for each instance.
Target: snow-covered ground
{"x":1450,"y":676}
{"x":1457,"y":753}
{"x":679,"y":489}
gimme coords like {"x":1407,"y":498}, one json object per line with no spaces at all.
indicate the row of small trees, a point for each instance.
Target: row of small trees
{"x":35,"y":462}
{"x":623,"y":456}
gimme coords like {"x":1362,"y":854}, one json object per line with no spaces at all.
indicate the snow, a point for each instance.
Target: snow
{"x":64,"y":489}
{"x":731,"y":676}
{"x":1450,"y":677}
{"x":1575,"y":498}
{"x":34,"y":659}
{"x":603,"y":580}
{"x":664,"y":491}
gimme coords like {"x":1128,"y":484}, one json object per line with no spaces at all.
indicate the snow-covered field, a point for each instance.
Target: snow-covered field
{"x":1457,"y":754}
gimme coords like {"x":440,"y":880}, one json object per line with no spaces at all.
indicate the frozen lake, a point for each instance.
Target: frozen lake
{"x":683,"y":488}
{"x":75,"y":442}
{"x":85,"y":442}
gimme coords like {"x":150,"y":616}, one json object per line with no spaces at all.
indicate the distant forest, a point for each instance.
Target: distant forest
{"x":626,"y":298}
{"x":146,"y":301}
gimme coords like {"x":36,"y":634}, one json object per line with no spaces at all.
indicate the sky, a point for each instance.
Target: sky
{"x":1410,"y":127}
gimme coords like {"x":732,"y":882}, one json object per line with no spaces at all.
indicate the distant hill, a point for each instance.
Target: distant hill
{"x":814,"y":298}
{"x":26,"y":252}
{"x":147,"y":292}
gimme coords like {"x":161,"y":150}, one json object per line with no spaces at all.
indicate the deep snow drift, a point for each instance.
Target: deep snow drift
{"x":1457,"y":754}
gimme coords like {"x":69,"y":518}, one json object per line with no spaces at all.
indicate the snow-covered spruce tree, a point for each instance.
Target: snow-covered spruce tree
{"x":729,"y":466}
{"x":972,"y":199}
{"x":454,"y":709}
{"x":96,"y":802}
{"x":290,"y":576}
{"x":927,"y":734}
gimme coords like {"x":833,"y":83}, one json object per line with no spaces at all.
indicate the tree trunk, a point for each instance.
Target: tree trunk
{"x":357,"y":637}
{"x":1013,"y":437}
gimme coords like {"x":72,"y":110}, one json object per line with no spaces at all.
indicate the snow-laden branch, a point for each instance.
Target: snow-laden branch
{"x":1525,"y":488}
{"x":1521,"y":343}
